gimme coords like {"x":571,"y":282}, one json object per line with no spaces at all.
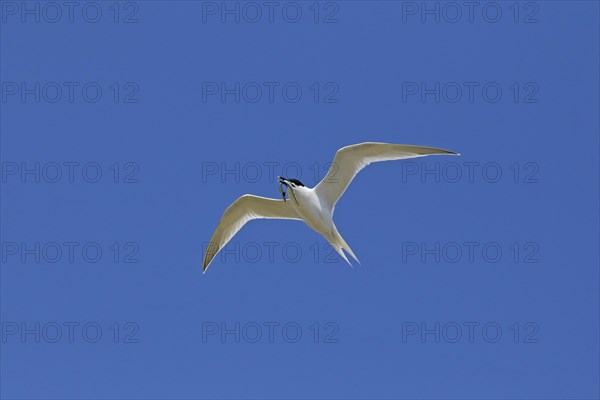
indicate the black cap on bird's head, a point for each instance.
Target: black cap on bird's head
{"x":294,"y":181}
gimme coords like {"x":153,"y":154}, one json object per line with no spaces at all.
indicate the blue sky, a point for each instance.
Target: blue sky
{"x":127,"y":130}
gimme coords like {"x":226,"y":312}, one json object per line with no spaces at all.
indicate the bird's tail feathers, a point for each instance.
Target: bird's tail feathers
{"x":340,"y":251}
{"x":339,"y":244}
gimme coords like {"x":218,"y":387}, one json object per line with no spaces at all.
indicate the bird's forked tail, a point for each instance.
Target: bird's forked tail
{"x":339,"y":244}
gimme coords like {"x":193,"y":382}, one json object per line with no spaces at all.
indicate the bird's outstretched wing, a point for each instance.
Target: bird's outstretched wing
{"x":350,"y":160}
{"x":242,"y":210}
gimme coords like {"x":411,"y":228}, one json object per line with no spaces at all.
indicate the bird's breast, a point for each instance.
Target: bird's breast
{"x":312,"y":212}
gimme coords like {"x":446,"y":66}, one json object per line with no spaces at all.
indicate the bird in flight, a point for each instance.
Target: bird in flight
{"x":314,"y":206}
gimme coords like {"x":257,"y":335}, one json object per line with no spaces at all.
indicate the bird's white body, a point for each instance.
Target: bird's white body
{"x":313,"y":212}
{"x":315,"y":206}
{"x":317,"y":214}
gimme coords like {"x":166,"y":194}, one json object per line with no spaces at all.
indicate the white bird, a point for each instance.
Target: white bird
{"x":314,"y":206}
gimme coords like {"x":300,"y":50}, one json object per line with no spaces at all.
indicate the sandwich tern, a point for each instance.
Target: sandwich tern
{"x":314,"y":206}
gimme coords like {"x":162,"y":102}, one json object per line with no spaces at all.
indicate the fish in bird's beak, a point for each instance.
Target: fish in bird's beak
{"x":281,"y":183}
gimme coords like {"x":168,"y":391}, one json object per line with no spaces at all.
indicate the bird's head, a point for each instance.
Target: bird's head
{"x":292,"y":184}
